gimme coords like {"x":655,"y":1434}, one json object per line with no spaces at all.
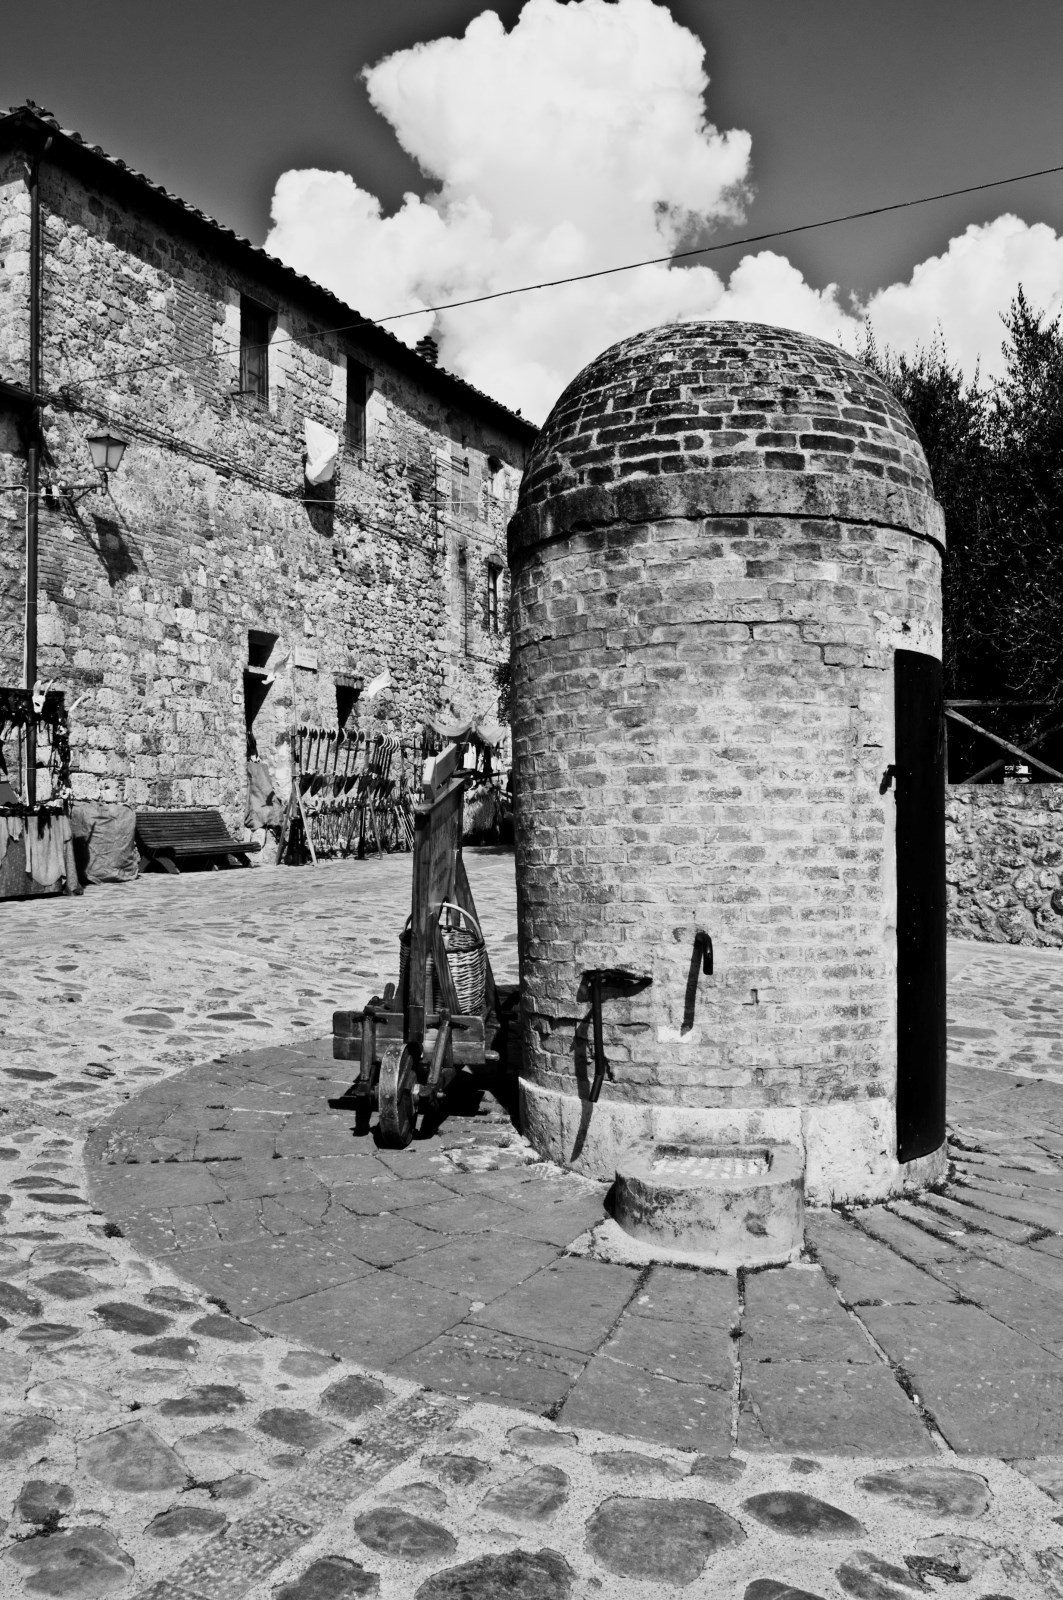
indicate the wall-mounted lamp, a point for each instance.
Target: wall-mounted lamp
{"x":106,"y":450}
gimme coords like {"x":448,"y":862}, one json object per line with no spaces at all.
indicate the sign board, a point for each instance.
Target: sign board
{"x":304,"y":657}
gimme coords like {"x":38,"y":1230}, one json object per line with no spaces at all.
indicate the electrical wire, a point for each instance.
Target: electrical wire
{"x":606,"y":272}
{"x":229,"y":466}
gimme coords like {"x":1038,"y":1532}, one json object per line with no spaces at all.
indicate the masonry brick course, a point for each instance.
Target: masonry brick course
{"x":703,"y":717}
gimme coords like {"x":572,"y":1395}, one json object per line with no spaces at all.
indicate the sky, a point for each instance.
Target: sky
{"x":430,"y":150}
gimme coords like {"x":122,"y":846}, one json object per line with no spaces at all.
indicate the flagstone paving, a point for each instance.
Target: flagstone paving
{"x":246,"y":1352}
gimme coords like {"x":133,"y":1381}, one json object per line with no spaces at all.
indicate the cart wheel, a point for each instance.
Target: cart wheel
{"x":395,"y":1097}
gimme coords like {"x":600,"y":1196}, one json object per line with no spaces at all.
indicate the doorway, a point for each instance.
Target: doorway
{"x":258,"y":680}
{"x":919,"y":714}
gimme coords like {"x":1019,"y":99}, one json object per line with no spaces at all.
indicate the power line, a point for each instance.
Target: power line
{"x":628,"y":266}
{"x":727,"y":244}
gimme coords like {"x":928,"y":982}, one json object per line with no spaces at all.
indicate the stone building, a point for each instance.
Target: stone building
{"x":210,"y":586}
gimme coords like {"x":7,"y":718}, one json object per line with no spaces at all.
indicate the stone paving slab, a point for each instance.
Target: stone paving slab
{"x":1028,"y":1304}
{"x":795,"y":1315}
{"x":259,"y":1272}
{"x":707,"y":1299}
{"x":962,"y":1335}
{"x":614,"y":1397}
{"x":375,"y":1320}
{"x":571,"y":1303}
{"x":494,"y":1365}
{"x":684,"y":1352}
{"x":821,"y":1408}
{"x":475,"y":1265}
{"x":863,"y":1271}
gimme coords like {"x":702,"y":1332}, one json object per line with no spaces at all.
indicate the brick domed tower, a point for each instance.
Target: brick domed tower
{"x":726,"y":613}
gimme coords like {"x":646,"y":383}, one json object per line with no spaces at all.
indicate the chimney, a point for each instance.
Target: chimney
{"x":429,"y":349}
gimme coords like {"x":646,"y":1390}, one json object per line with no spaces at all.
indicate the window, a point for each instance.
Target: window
{"x":463,"y":595}
{"x":359,"y":388}
{"x":257,"y":680}
{"x":255,"y":326}
{"x":494,"y":574}
{"x":459,"y":491}
{"x":259,"y":647}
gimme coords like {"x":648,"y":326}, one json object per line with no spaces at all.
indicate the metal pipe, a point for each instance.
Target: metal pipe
{"x":600,"y":1062}
{"x":627,"y":982}
{"x":33,"y":464}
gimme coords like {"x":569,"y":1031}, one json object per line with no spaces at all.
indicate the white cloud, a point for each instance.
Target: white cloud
{"x":768,"y":288}
{"x":574,"y":141}
{"x":579,"y":140}
{"x":965,"y":291}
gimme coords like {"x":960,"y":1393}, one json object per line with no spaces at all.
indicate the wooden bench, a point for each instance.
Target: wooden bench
{"x":198,"y":834}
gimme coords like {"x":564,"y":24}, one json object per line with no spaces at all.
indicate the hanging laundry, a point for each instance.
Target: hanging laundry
{"x":10,"y":829}
{"x":377,"y":685}
{"x":322,"y":451}
{"x":264,"y":810}
{"x":46,"y":838}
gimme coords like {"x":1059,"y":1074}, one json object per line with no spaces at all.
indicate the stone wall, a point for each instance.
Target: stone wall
{"x":210,"y":530}
{"x":1005,"y":862}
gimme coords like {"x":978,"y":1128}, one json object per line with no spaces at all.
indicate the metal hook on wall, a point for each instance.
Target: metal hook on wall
{"x":701,"y":962}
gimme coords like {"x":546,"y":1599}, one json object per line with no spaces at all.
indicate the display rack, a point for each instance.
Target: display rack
{"x":345,"y":790}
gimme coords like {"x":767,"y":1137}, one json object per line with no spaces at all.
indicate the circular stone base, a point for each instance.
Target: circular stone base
{"x":849,"y":1147}
{"x":728,"y":1205}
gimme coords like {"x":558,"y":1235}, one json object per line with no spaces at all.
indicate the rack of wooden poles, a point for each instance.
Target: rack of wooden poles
{"x":346,"y":788}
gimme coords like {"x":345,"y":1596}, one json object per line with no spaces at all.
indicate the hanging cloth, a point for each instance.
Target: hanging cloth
{"x":10,"y":828}
{"x":322,"y":451}
{"x":46,"y":837}
{"x":264,"y":810}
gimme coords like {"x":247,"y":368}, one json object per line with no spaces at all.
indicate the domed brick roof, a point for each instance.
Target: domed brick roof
{"x":725,"y":417}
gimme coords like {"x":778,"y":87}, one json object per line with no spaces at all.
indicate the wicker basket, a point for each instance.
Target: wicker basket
{"x":466,"y":957}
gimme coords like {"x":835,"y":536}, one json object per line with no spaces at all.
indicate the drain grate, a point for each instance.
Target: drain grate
{"x":702,"y":1162}
{"x":712,"y":1169}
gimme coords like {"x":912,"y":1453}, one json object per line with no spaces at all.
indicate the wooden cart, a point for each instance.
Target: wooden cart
{"x":408,"y":1055}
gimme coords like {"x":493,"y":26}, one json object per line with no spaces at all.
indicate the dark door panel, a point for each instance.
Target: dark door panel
{"x":920,"y":788}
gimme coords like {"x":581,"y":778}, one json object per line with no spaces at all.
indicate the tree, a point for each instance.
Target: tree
{"x":995,"y":453}
{"x":951,"y":418}
{"x":1026,"y":440}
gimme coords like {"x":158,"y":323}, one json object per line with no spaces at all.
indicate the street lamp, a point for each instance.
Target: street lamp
{"x":106,"y":450}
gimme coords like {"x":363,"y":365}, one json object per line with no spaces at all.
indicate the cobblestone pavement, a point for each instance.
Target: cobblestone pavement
{"x":135,"y":981}
{"x":1004,"y":1008}
{"x":246,"y":1353}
